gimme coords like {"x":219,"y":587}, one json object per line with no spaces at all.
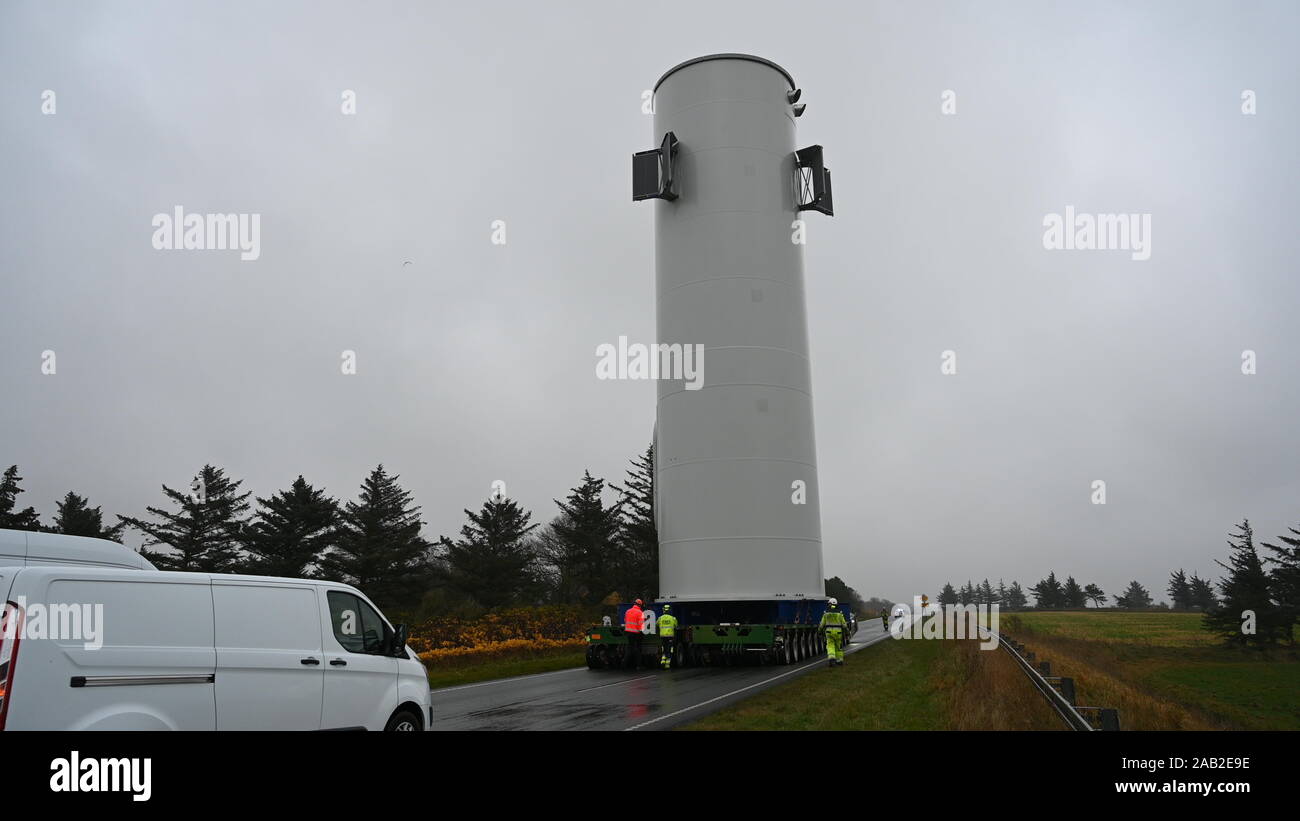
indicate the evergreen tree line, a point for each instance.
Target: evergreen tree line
{"x":1257,"y":602}
{"x":1051,"y":594}
{"x":588,"y":552}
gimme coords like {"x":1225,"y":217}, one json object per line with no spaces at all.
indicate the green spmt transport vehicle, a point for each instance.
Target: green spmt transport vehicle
{"x":722,"y":634}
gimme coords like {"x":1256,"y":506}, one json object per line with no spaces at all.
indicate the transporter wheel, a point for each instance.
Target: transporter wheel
{"x":801,"y":646}
{"x":403,"y":721}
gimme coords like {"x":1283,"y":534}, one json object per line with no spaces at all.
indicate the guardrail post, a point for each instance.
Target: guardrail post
{"x":1045,"y":667}
{"x":1066,"y":690}
{"x":1109,"y":718}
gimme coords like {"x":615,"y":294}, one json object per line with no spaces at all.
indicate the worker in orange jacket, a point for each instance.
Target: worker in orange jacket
{"x":633,"y":628}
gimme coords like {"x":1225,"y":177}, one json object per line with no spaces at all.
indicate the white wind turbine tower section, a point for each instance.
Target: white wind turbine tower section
{"x":729,"y":187}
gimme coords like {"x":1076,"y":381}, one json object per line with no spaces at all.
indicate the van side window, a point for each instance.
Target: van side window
{"x":357,"y":627}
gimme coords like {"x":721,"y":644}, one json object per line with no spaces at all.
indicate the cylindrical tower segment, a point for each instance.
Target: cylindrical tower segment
{"x":735,"y":463}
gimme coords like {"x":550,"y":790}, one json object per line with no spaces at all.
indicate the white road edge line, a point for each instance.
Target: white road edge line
{"x":503,"y":680}
{"x":750,"y":687}
{"x":620,"y":681}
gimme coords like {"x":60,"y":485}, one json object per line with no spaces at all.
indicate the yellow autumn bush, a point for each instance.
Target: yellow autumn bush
{"x":505,"y":633}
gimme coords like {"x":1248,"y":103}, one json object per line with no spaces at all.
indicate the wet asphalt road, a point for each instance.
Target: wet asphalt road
{"x":582,"y":699}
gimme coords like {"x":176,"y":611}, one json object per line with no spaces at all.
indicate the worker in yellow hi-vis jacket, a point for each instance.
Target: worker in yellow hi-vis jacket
{"x":667,"y":637}
{"x":834,"y":626}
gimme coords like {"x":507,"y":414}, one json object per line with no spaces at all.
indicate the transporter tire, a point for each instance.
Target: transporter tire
{"x":598,"y":657}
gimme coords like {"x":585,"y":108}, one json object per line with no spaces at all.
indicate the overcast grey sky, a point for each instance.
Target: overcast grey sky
{"x":476,"y":362}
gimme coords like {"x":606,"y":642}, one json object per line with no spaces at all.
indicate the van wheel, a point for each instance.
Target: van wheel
{"x":403,"y":721}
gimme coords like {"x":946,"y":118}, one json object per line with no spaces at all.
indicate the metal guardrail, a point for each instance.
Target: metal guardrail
{"x":1058,"y":690}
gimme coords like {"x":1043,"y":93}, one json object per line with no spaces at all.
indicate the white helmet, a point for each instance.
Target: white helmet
{"x":834,"y":602}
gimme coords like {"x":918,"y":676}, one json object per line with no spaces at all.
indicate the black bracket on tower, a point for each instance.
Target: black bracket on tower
{"x":813,"y":181}
{"x":652,"y":171}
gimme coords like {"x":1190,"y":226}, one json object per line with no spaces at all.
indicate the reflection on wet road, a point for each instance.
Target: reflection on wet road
{"x":582,"y":699}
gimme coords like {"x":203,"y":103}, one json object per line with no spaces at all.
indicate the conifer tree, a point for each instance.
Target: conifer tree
{"x":494,"y":562}
{"x":1284,"y":581}
{"x":291,"y":531}
{"x":1048,"y":593}
{"x":986,"y":595}
{"x":377,"y":546}
{"x":10,"y":516}
{"x":584,"y":545}
{"x":1016,"y":597}
{"x":75,"y":517}
{"x":1245,"y":591}
{"x":204,"y":533}
{"x":1072,"y":594}
{"x":1203,"y":595}
{"x":638,"y":539}
{"x":947,"y":595}
{"x":1135,"y":597}
{"x":1095,"y":594}
{"x":967,"y":594}
{"x":1180,"y":590}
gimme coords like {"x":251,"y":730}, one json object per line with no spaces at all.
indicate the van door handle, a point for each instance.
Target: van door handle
{"x":310,"y":661}
{"x":338,"y":663}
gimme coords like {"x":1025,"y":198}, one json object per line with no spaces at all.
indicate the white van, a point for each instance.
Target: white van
{"x":22,"y":547}
{"x":101,"y":648}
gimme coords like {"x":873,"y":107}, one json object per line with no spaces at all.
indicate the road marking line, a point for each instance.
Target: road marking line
{"x":620,"y":681}
{"x":503,"y":680}
{"x":750,"y":687}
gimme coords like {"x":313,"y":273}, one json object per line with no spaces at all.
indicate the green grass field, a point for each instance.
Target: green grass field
{"x":537,"y":662}
{"x":884,"y":687}
{"x":1162,"y":671}
{"x":898,"y":685}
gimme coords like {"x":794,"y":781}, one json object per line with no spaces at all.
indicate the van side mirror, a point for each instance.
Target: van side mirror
{"x":400,"y":634}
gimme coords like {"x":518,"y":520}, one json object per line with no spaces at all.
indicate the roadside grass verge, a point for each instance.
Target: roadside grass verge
{"x":898,"y":685}
{"x":1163,"y":672}
{"x":450,"y":673}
